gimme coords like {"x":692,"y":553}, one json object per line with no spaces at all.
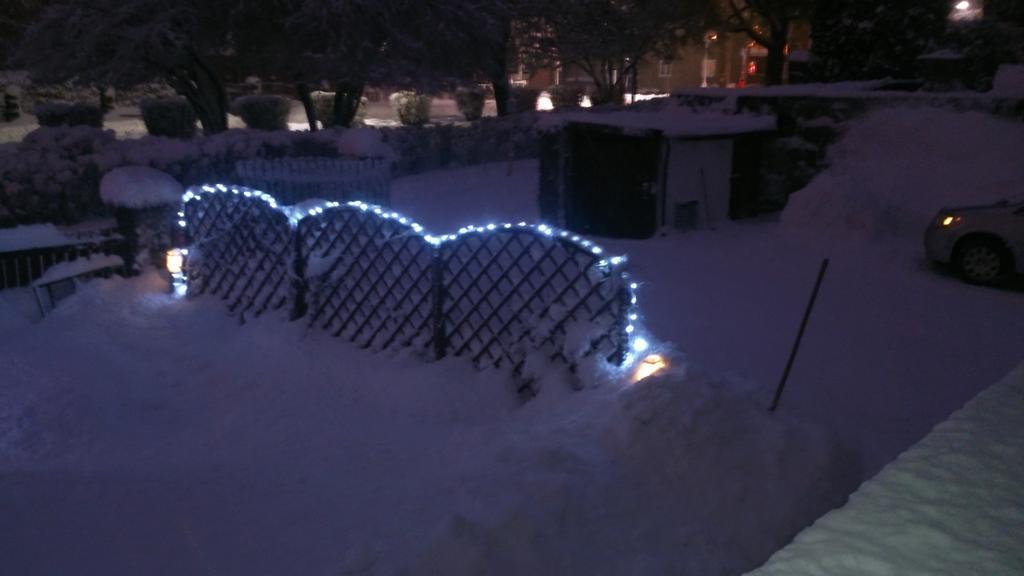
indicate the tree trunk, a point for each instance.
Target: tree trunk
{"x":348,"y":96}
{"x":203,"y":90}
{"x":306,"y":97}
{"x":498,"y":73}
{"x":212,"y":93}
{"x":502,"y":91}
{"x":775,"y":69}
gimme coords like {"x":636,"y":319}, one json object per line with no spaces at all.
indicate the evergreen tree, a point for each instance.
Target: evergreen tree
{"x":857,"y":40}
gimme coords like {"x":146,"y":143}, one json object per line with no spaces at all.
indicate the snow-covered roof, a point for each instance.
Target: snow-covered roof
{"x":672,"y":121}
{"x":949,"y":505}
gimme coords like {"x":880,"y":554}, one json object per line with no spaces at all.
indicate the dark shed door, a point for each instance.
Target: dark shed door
{"x":612,"y":177}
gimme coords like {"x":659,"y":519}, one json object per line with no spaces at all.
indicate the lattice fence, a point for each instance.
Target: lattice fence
{"x":498,"y":294}
{"x":241,"y":246}
{"x":369,"y":279}
{"x":514,"y":290}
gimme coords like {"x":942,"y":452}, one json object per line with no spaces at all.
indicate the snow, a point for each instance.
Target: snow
{"x":33,"y":236}
{"x":139,"y":187}
{"x":673,"y":121}
{"x":894,"y":170}
{"x":949,"y":505}
{"x":892,"y":342}
{"x":1009,"y":81}
{"x":77,"y":267}
{"x":946,"y":54}
{"x":364,"y":143}
{"x":171,"y":440}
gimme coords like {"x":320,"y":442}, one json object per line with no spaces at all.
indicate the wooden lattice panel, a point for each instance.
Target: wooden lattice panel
{"x":240,"y":248}
{"x":369,"y":276}
{"x":513,"y":290}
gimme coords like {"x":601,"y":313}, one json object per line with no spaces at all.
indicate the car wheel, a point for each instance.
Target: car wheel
{"x":981,"y":261}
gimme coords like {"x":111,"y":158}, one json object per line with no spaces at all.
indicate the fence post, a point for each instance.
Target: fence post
{"x":625,"y":303}
{"x":438,"y":295}
{"x":299,"y":284}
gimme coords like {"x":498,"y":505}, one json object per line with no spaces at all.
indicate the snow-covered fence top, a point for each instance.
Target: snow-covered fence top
{"x":292,"y":180}
{"x":952,"y":504}
{"x":27,"y":252}
{"x":505,"y":295}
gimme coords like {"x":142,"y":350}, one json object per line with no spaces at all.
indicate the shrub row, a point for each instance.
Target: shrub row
{"x":51,"y":114}
{"x":53,"y":174}
{"x":413,"y":109}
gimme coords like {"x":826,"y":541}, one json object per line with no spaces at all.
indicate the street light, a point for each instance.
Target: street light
{"x":963,"y":6}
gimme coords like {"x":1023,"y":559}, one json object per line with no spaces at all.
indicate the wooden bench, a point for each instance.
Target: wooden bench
{"x":61,"y":280}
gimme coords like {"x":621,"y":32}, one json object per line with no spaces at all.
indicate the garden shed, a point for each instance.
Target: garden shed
{"x":627,"y":174}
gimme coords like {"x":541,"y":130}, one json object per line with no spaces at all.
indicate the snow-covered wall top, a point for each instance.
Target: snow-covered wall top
{"x":35,"y":236}
{"x":953,"y":504}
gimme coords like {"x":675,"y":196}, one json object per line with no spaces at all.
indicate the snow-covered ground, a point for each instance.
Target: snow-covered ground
{"x":139,"y":434}
{"x":894,"y":345}
{"x":950,"y":505}
{"x":144,"y":435}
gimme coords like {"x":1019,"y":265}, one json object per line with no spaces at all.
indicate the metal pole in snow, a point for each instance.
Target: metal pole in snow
{"x":799,"y":336}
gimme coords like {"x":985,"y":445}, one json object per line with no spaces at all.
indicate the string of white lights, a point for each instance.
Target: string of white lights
{"x":637,"y":337}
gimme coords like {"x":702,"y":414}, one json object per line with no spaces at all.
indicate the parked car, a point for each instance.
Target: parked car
{"x":982,"y":243}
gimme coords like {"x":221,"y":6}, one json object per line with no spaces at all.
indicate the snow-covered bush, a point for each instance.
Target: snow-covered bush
{"x":421,"y":148}
{"x":565,"y":96}
{"x":470,"y":102}
{"x":54,"y":173}
{"x":51,"y":114}
{"x":171,"y":117}
{"x":523,"y":99}
{"x":263,"y":112}
{"x":323,"y":103}
{"x":413,"y":109}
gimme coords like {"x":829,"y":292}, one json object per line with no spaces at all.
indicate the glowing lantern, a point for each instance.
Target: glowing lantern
{"x":650,"y":366}
{"x":176,"y":261}
{"x":544,"y":102}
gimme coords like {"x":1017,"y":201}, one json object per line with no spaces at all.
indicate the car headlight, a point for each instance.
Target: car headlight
{"x":948,"y":220}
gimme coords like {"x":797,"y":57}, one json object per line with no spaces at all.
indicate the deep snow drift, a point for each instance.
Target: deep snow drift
{"x":894,"y":169}
{"x":950,"y":505}
{"x":144,"y":435}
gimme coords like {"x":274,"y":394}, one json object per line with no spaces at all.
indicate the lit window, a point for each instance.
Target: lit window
{"x":665,"y":69}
